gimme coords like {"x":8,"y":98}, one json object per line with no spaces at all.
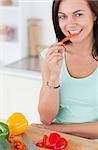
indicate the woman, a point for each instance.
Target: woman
{"x":69,"y":96}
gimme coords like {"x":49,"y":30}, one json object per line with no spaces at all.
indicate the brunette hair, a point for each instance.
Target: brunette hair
{"x":93,"y":4}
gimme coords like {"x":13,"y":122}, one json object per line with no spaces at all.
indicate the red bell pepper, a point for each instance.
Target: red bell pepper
{"x":42,"y":142}
{"x":51,"y":141}
{"x":54,"y":141}
{"x":61,"y":144}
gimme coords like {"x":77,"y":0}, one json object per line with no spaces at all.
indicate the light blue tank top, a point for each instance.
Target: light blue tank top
{"x":78,"y":96}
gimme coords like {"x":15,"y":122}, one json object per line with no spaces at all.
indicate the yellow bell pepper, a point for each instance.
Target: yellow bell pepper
{"x":17,"y":123}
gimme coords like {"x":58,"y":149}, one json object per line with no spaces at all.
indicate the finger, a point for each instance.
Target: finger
{"x":54,"y":58}
{"x":53,"y":54}
{"x":55,"y":49}
{"x":64,"y":45}
{"x":56,"y":44}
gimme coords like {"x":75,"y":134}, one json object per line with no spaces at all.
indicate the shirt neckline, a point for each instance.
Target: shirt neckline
{"x":77,"y":78}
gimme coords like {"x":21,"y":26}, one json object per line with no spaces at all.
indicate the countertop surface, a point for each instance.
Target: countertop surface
{"x":26,"y":67}
{"x":28,"y":63}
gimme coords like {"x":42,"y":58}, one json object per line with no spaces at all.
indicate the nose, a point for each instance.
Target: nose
{"x":70,"y":20}
{"x":71,"y":23}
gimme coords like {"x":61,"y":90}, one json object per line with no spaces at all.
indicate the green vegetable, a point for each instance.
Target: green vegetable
{"x":4,"y":130}
{"x":4,"y":145}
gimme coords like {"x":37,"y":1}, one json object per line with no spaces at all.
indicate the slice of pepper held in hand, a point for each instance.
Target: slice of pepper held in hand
{"x":68,"y":38}
{"x":4,"y":130}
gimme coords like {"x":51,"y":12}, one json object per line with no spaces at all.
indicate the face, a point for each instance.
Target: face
{"x":75,"y":16}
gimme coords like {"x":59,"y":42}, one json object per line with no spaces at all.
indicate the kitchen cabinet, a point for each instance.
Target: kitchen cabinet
{"x":19,"y":92}
{"x":14,"y":16}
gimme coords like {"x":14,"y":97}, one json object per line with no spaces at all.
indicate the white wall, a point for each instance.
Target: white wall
{"x":43,"y":9}
{"x":29,"y":8}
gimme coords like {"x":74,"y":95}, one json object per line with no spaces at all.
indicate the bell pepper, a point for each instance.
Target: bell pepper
{"x":17,"y":123}
{"x":60,"y":144}
{"x":42,"y":142}
{"x":53,"y":141}
{"x":53,"y":138}
{"x":18,"y":145}
{"x":4,"y":130}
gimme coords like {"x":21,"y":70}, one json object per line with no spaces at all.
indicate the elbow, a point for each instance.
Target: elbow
{"x":46,"y":117}
{"x":45,"y":120}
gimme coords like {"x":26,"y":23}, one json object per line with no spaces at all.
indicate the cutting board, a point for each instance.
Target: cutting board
{"x":76,"y":143}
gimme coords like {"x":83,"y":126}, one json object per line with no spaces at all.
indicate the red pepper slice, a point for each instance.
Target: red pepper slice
{"x":53,"y":138}
{"x":45,"y":140}
{"x":61,"y":144}
{"x":54,"y":141}
{"x":40,"y":143}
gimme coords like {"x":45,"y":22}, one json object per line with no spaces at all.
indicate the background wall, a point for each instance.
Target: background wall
{"x":43,"y":9}
{"x":13,"y":51}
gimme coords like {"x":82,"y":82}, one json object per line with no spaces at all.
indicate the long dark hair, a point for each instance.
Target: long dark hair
{"x":93,"y":4}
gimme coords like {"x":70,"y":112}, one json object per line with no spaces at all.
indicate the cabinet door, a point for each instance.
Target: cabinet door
{"x":2,"y":112}
{"x":22,"y":95}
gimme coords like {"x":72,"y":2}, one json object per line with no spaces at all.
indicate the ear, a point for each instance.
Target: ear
{"x":95,"y":18}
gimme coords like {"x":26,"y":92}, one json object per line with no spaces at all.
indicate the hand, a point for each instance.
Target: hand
{"x":53,"y":126}
{"x":54,"y":59}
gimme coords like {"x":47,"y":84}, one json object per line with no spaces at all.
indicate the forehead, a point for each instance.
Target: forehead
{"x":71,"y":5}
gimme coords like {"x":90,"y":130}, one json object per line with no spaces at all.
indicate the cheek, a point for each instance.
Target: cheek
{"x":61,"y":24}
{"x":88,"y":25}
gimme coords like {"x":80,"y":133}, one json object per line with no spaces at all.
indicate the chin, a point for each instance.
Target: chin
{"x":76,"y":40}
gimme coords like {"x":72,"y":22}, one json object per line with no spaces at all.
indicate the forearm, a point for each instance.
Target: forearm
{"x":48,"y":104}
{"x":86,"y":130}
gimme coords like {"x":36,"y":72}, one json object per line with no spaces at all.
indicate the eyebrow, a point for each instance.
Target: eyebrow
{"x":73,"y":12}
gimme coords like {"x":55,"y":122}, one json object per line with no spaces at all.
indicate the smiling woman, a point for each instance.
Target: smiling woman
{"x":80,"y":15}
{"x":71,"y":71}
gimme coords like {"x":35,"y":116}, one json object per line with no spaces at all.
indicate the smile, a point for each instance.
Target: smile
{"x":75,"y":31}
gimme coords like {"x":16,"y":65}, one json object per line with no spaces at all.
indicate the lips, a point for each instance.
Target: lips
{"x":74,"y":31}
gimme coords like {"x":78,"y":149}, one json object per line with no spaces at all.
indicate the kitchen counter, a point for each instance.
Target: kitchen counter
{"x":28,"y":63}
{"x":26,"y":67}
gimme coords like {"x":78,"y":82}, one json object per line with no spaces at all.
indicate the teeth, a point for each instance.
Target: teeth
{"x":75,"y":31}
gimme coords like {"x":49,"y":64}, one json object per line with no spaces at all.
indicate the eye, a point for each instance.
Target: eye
{"x":78,"y":14}
{"x":61,"y":17}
